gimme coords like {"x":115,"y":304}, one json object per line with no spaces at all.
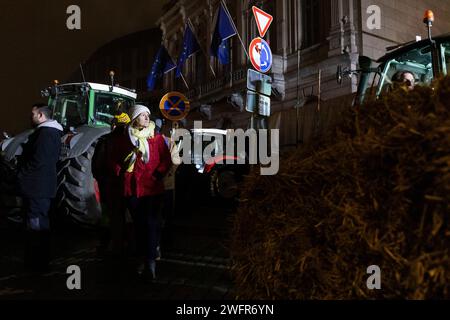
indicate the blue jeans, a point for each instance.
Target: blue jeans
{"x":146,"y":214}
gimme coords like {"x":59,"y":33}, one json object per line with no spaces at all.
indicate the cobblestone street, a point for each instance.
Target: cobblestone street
{"x":194,"y":264}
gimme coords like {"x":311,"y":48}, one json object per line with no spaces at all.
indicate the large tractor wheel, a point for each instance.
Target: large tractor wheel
{"x":77,"y":195}
{"x":10,"y":203}
{"x":224,"y":184}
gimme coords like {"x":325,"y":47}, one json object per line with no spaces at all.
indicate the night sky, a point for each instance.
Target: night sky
{"x":37,"y":47}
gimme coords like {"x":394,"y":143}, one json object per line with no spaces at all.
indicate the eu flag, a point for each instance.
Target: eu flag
{"x":223,"y":31}
{"x":163,"y":64}
{"x":190,"y":46}
{"x":223,"y":52}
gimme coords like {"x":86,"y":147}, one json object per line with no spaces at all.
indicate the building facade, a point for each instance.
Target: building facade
{"x":317,"y":35}
{"x":308,"y":39}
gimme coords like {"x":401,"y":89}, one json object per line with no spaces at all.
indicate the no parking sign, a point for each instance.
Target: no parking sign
{"x":174,"y":106}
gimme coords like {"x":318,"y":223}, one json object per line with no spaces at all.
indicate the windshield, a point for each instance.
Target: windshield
{"x":70,"y":109}
{"x":108,"y":105}
{"x":417,"y":62}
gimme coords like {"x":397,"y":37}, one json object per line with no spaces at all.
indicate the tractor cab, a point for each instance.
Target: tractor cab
{"x":425,"y":60}
{"x":91,"y":104}
{"x":417,"y":59}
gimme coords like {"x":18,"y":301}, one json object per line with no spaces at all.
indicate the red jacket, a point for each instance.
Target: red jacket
{"x":144,"y":180}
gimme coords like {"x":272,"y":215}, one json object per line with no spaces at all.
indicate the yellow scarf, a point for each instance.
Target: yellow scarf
{"x":139,"y":140}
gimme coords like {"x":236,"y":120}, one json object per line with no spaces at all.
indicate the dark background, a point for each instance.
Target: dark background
{"x":37,"y":47}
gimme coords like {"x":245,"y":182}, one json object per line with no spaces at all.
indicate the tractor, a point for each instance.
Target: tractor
{"x":426,"y":59}
{"x":86,"y":111}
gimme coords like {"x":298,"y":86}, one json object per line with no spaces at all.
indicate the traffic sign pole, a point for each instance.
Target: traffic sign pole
{"x":261,"y":58}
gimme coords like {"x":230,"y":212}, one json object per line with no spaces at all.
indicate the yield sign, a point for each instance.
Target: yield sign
{"x":263,"y":20}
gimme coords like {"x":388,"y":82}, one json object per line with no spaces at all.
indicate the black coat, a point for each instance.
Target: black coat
{"x":37,"y":165}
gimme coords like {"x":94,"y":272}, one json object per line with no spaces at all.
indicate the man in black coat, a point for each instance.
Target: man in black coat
{"x":37,"y":184}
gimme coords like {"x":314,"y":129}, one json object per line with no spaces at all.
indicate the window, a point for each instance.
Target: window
{"x":416,"y":61}
{"x":70,"y":109}
{"x":445,"y":49}
{"x":106,"y":106}
{"x":293,"y":9}
{"x":316,"y":21}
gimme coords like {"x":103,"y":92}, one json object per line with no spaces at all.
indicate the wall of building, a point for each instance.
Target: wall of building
{"x":340,"y":36}
{"x":401,"y":21}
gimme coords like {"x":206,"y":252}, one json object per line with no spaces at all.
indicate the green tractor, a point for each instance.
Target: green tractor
{"x":426,"y":59}
{"x":86,"y":111}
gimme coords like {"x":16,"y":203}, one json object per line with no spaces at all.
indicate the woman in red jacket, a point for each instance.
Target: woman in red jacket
{"x":141,"y":159}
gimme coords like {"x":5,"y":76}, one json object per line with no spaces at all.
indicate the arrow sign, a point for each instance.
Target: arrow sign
{"x":263,"y":20}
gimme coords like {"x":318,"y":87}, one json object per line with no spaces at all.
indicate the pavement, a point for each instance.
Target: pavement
{"x":195,"y":263}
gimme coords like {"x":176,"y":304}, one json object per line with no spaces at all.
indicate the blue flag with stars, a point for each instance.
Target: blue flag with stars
{"x":220,"y":46}
{"x":163,"y":64}
{"x":190,"y":46}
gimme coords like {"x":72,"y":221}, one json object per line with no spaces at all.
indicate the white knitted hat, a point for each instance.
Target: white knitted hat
{"x":137,"y":110}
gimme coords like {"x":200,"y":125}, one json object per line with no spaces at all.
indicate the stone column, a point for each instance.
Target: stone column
{"x":282,"y":21}
{"x":336,"y":36}
{"x":342,"y":37}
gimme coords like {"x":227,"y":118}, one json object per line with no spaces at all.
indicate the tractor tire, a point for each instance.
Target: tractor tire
{"x":77,"y":193}
{"x":8,"y":174}
{"x":224,"y":184}
{"x":10,"y":202}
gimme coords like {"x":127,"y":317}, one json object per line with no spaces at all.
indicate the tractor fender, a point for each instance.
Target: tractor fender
{"x":218,"y":160}
{"x":13,"y":147}
{"x":85,"y":136}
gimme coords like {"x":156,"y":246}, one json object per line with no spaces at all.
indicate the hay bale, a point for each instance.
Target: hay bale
{"x":376,"y":193}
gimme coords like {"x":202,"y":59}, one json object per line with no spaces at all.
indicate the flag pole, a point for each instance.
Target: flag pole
{"x":184,"y":80}
{"x":234,"y":26}
{"x":201,"y":47}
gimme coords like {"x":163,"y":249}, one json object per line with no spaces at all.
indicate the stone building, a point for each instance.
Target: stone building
{"x":317,"y":35}
{"x":320,"y":34}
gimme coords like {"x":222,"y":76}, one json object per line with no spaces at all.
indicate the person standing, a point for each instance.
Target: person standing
{"x":167,"y":212}
{"x":37,"y":184}
{"x":141,"y":159}
{"x":112,"y":227}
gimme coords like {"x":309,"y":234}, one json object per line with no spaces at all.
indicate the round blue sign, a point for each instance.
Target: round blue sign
{"x":260,"y":55}
{"x":174,"y":106}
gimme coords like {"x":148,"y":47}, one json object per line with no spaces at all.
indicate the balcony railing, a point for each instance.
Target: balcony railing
{"x":229,"y":80}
